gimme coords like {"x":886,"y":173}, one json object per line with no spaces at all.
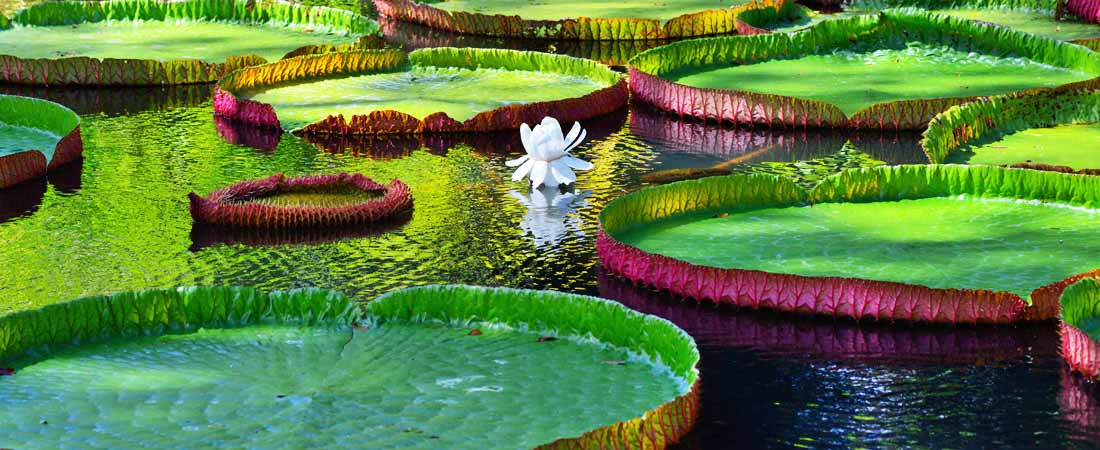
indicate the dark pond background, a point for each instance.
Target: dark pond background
{"x":119,"y":221}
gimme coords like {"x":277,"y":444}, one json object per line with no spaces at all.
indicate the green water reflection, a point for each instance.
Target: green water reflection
{"x":127,"y":226}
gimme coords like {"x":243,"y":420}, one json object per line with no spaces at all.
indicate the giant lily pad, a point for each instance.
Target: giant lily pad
{"x":429,"y":90}
{"x":276,"y":202}
{"x":856,"y":72}
{"x":586,"y":20}
{"x":35,"y":136}
{"x":149,"y":42}
{"x":433,"y":367}
{"x":1039,"y":17}
{"x":945,"y":244}
{"x":1081,"y":327}
{"x":1054,"y":130}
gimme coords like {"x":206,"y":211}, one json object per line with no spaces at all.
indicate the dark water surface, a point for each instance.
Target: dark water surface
{"x":119,"y":221}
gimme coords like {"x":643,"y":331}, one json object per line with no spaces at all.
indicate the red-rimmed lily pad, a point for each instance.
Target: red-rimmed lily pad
{"x":855,"y":72}
{"x":585,"y":20}
{"x":149,"y":42}
{"x":36,"y":136}
{"x":278,"y":202}
{"x":236,"y":367}
{"x":426,"y":91}
{"x":784,"y":335}
{"x":1081,"y":327}
{"x":940,"y":243}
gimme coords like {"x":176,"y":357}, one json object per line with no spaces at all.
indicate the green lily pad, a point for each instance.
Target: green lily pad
{"x":1056,"y":130}
{"x":32,"y":124}
{"x":1030,"y":16}
{"x":232,"y":367}
{"x":1041,"y":23}
{"x":428,"y":90}
{"x":854,"y":79}
{"x":855,"y":72}
{"x":16,"y":139}
{"x":939,"y":243}
{"x":1071,"y":145}
{"x":164,"y":41}
{"x":1081,"y":307}
{"x":564,"y":9}
{"x":421,"y":91}
{"x":149,"y":42}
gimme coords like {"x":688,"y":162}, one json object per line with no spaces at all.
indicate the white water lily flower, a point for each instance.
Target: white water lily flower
{"x":552,"y":215}
{"x":548,"y":161}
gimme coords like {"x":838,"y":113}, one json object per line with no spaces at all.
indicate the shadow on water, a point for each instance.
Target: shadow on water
{"x":754,"y":145}
{"x":778,"y":381}
{"x":24,"y":199}
{"x":113,"y":102}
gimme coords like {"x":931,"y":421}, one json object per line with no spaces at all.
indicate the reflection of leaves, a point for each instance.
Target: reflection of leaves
{"x":810,"y":173}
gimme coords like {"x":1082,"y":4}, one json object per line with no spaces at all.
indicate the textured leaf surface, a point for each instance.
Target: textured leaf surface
{"x":216,"y":367}
{"x":407,"y":385}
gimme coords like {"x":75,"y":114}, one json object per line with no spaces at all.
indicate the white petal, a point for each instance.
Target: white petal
{"x":517,"y":161}
{"x":577,"y":163}
{"x":574,"y":144}
{"x":525,"y":137}
{"x":552,"y":152}
{"x":523,"y":170}
{"x":573,"y":133}
{"x":562,"y":172}
{"x":538,"y":173}
{"x":552,"y":133}
{"x":536,"y":142}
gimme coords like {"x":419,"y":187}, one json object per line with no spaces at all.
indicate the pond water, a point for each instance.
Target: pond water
{"x":120,"y":222}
